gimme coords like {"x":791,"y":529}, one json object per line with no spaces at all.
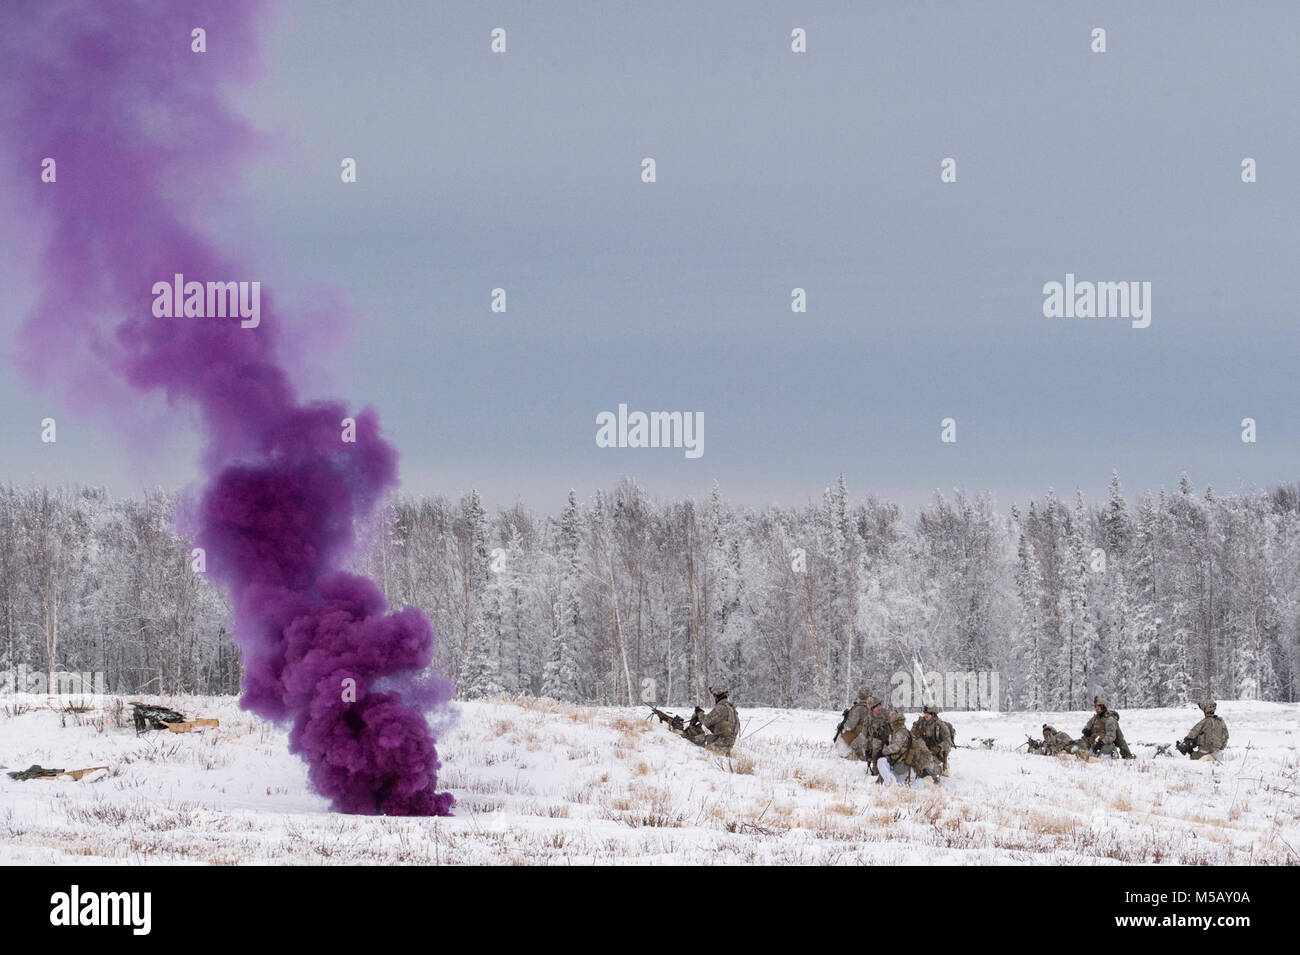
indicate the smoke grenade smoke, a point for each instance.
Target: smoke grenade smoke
{"x":141,"y":139}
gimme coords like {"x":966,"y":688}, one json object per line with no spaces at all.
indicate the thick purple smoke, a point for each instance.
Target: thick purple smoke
{"x":142,"y":140}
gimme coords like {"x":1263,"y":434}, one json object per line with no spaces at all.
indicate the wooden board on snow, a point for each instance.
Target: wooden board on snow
{"x":76,"y":774}
{"x":191,"y":724}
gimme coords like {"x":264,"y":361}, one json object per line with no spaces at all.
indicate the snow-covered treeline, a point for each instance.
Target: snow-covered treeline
{"x":93,"y":585}
{"x":1153,"y":603}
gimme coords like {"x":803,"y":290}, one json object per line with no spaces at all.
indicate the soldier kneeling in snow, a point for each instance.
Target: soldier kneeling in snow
{"x":853,"y":729}
{"x":878,"y":730}
{"x":903,"y":755}
{"x":1209,"y":737}
{"x":935,"y":734}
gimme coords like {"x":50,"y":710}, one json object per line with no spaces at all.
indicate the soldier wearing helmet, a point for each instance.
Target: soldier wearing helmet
{"x":894,"y":752}
{"x":721,"y":723}
{"x":1208,"y":738}
{"x":853,"y":728}
{"x":878,"y":730}
{"x":1055,"y":742}
{"x":905,"y":756}
{"x":935,"y":733}
{"x":1102,"y":734}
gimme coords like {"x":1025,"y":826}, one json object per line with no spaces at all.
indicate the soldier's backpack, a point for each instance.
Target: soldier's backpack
{"x":910,"y":754}
{"x":732,"y":725}
{"x":917,"y":753}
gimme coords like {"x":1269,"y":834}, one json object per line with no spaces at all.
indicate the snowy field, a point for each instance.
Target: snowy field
{"x":539,"y":782}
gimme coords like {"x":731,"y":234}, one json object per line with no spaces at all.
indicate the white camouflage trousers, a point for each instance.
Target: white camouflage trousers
{"x":889,"y":777}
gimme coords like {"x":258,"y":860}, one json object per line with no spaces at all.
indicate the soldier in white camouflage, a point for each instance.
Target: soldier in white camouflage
{"x":935,"y":734}
{"x":721,"y":723}
{"x":1208,"y":738}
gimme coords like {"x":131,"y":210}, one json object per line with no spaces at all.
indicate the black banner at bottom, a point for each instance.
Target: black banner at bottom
{"x":358,"y":905}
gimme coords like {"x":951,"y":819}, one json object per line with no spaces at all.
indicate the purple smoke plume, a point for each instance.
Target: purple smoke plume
{"x":134,"y":120}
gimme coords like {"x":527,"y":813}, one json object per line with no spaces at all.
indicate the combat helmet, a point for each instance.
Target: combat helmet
{"x":1208,"y":707}
{"x":864,"y":693}
{"x":932,"y":709}
{"x":719,"y":691}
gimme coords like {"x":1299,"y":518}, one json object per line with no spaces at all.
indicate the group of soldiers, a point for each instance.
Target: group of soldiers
{"x":879,"y":735}
{"x":894,"y":753}
{"x":873,"y":733}
{"x":1102,"y":736}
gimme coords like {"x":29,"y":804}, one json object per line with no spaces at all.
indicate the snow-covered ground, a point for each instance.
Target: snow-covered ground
{"x":544,"y":782}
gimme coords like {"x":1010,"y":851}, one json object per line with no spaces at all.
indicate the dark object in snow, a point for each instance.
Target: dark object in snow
{"x":35,"y":772}
{"x":148,"y":717}
{"x":38,"y":772}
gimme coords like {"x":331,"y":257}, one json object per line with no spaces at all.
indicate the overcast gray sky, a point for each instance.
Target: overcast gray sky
{"x":775,"y":170}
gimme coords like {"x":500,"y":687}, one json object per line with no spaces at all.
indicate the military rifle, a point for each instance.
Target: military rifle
{"x":1035,"y":745}
{"x":675,"y":722}
{"x":844,"y":718}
